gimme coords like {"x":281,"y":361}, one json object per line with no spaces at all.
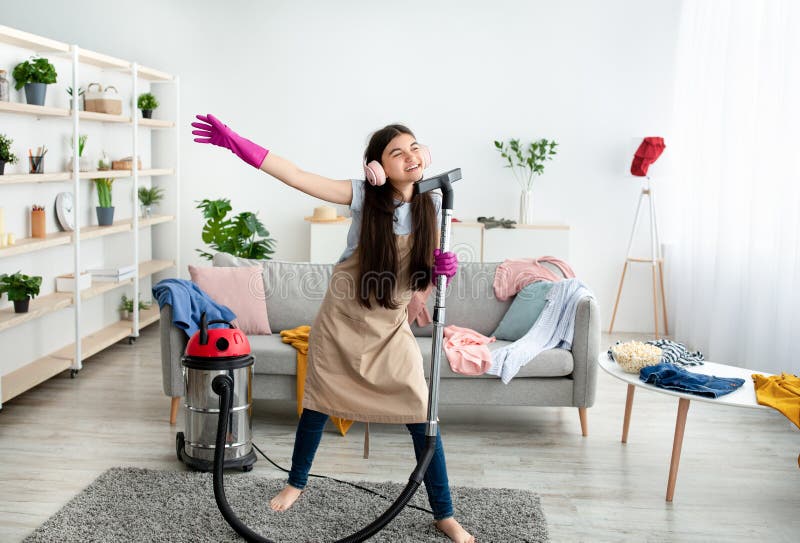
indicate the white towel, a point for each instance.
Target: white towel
{"x":553,"y":329}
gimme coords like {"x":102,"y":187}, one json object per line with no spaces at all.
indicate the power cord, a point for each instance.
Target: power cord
{"x":339,"y":481}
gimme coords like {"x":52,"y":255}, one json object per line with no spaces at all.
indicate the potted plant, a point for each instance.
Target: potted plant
{"x":525,"y":164}
{"x":104,"y":163}
{"x":148,"y":198}
{"x":147,"y":103}
{"x":83,"y":162}
{"x":235,"y":236}
{"x":126,"y":306}
{"x":5,"y":152}
{"x":81,"y":93}
{"x":105,"y":211}
{"x":34,"y":75}
{"x":20,"y":288}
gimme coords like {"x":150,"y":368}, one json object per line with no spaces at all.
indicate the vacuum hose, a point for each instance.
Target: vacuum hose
{"x":223,"y":386}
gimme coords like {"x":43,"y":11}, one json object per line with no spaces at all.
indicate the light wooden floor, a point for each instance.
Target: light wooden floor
{"x":738,"y":481}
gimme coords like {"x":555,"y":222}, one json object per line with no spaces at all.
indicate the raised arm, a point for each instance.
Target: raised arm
{"x":212,"y":130}
{"x":324,"y":188}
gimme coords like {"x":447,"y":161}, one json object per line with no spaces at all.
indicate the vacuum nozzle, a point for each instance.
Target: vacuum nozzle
{"x":441,"y":181}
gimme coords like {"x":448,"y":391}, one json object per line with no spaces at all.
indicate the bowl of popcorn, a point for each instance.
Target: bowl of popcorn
{"x":635,"y":355}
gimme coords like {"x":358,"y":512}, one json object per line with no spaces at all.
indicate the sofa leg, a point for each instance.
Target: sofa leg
{"x":173,"y":411}
{"x":584,"y":422}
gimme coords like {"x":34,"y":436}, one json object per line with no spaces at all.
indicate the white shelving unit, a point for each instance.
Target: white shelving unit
{"x":47,"y":340}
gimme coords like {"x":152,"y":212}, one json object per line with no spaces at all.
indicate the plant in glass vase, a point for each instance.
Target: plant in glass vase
{"x":83,"y":162}
{"x":81,"y":94}
{"x":526,"y":163}
{"x":148,"y":197}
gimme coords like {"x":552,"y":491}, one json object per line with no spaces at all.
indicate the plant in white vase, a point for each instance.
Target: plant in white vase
{"x":83,"y":162}
{"x":526,"y":163}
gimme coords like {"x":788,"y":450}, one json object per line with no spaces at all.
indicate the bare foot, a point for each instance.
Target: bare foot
{"x":454,"y":530}
{"x":285,"y":498}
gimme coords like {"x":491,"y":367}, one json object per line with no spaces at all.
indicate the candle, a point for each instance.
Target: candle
{"x":10,"y":239}
{"x":2,"y":220}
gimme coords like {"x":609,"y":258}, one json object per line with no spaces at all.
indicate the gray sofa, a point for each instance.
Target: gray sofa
{"x":294,"y":291}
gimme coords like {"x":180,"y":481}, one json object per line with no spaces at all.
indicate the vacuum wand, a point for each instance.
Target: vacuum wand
{"x":442,"y":181}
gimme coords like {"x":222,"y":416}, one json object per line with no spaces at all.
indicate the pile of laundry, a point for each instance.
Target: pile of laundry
{"x":467,"y":350}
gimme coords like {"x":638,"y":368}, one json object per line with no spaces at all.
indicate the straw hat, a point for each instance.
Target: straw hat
{"x":325,"y":214}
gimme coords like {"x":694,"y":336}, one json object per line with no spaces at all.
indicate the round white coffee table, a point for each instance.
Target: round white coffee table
{"x":744,"y":396}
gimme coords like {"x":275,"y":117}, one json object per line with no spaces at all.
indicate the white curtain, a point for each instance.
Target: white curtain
{"x":734,"y":273}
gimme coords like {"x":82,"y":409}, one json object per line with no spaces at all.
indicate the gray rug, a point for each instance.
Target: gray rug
{"x":132,"y":504}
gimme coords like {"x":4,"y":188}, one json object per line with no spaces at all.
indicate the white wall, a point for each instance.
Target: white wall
{"x":311,"y":80}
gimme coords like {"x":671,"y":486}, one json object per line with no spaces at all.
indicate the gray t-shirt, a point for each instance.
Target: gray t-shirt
{"x":402,"y":216}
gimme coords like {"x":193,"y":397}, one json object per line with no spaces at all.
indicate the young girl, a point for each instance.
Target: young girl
{"x":363,"y":361}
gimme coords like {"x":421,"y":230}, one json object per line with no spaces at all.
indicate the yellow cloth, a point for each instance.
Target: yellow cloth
{"x":298,"y":338}
{"x":781,"y":392}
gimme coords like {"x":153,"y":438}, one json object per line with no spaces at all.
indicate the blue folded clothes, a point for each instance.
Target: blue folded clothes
{"x":188,"y":303}
{"x":676,"y":378}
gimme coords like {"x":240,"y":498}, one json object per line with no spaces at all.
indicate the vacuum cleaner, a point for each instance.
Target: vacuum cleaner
{"x":222,"y":356}
{"x":209,"y":353}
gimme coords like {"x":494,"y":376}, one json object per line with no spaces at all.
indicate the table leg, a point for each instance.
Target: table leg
{"x":677,"y":443}
{"x":628,"y":408}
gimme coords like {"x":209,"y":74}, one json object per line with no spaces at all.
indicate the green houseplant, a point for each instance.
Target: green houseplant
{"x":105,"y":211}
{"x":34,"y":74}
{"x":236,"y":236}
{"x":147,"y":103}
{"x":148,"y":197}
{"x":526,"y":163}
{"x":83,"y":163}
{"x":81,"y":93}
{"x":20,"y":288}
{"x":126,"y":306}
{"x":5,"y":153}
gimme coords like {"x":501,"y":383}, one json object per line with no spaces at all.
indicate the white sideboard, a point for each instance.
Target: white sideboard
{"x":471,"y":241}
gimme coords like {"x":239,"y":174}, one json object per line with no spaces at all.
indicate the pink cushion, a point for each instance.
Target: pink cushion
{"x":239,"y":288}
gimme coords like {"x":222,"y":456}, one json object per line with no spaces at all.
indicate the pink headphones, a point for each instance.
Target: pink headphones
{"x":376,"y":176}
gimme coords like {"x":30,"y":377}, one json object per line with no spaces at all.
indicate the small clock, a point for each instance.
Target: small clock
{"x":65,"y":211}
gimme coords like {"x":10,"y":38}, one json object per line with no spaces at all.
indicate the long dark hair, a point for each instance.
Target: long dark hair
{"x":378,"y":264}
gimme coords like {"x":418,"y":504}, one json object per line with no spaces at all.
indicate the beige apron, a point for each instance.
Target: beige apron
{"x":365,"y":364}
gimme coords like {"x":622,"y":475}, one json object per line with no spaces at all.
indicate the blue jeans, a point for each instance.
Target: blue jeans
{"x":676,"y":378}
{"x":309,"y":434}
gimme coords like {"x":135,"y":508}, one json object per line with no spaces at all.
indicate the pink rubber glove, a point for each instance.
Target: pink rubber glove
{"x":444,"y":264}
{"x":211,"y":130}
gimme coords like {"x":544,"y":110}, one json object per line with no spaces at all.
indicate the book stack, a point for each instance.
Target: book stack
{"x":113,"y":274}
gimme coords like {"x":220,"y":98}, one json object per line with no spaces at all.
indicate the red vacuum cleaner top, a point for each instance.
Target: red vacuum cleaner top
{"x":217,"y":342}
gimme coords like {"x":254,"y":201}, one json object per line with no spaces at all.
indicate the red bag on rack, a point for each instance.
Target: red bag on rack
{"x":647,"y":153}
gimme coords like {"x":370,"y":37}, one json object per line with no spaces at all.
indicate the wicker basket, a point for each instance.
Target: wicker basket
{"x":632,"y":362}
{"x":102,"y":101}
{"x":125,"y":164}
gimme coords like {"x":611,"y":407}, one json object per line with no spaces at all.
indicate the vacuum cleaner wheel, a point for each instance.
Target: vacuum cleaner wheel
{"x":179,"y":442}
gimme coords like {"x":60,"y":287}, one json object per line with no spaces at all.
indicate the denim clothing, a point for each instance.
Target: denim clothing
{"x":309,"y":434}
{"x":675,"y":378}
